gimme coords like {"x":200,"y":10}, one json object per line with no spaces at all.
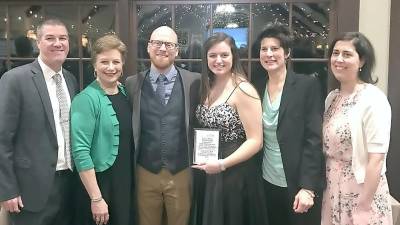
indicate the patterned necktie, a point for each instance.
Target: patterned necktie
{"x":64,"y":118}
{"x":160,"y":90}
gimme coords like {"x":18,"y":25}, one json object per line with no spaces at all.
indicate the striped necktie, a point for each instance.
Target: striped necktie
{"x":64,"y":119}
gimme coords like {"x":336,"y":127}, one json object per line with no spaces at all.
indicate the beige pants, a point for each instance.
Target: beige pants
{"x":3,"y":217}
{"x":163,"y":190}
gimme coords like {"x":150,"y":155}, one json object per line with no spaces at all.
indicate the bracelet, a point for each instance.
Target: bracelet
{"x":221,"y":165}
{"x":96,"y":199}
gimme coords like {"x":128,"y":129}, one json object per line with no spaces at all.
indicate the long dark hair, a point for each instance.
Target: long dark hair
{"x":208,"y":77}
{"x":364,"y":50}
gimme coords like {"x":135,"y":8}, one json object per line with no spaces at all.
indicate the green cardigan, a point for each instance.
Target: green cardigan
{"x":94,"y":129}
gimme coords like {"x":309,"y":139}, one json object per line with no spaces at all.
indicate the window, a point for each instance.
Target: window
{"x":85,"y":23}
{"x":194,"y":23}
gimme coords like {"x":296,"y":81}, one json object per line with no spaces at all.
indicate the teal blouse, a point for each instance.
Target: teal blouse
{"x":272,"y":166}
{"x":94,"y":129}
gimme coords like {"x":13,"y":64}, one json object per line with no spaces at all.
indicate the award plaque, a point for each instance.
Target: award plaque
{"x":206,"y":144}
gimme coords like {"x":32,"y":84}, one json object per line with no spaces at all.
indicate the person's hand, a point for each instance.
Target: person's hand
{"x":303,"y":201}
{"x":13,"y":205}
{"x":211,"y":167}
{"x":100,"y":212}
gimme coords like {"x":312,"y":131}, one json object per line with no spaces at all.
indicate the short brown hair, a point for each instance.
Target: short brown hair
{"x":108,"y":42}
{"x":49,"y":22}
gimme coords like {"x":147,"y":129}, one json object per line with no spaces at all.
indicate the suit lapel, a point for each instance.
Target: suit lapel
{"x":136,"y":96}
{"x":40,"y":83}
{"x":186,"y":91}
{"x":288,"y":89}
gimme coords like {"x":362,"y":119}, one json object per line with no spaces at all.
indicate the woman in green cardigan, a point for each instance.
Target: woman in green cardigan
{"x":102,"y":142}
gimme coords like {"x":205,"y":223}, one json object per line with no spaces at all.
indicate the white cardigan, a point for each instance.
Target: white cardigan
{"x":370,"y":121}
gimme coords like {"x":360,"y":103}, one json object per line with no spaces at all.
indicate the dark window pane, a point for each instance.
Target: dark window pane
{"x":263,"y":14}
{"x":73,"y":67}
{"x":23,"y":23}
{"x":97,"y":20}
{"x":3,"y":35}
{"x":257,"y":72}
{"x":191,"y":66}
{"x":149,"y":18}
{"x":16,"y":63}
{"x":317,"y":69}
{"x":143,"y":65}
{"x":88,"y":73}
{"x":310,"y":28}
{"x":68,"y":14}
{"x":3,"y":41}
{"x":245,"y":66}
{"x":233,"y":19}
{"x":192,"y":22}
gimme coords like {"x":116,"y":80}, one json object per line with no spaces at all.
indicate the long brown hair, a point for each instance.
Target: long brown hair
{"x":207,"y":76}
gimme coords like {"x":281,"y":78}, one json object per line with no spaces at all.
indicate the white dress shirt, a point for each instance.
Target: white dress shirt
{"x":51,"y":88}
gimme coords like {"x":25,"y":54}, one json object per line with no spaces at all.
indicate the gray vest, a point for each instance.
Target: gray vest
{"x":163,"y":141}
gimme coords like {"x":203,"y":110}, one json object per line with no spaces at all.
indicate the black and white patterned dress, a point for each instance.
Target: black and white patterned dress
{"x":232,"y":197}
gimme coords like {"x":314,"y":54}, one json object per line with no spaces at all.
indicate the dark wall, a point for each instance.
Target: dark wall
{"x":393,"y":159}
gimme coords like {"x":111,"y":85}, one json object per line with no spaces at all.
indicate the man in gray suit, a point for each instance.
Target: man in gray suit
{"x":35,"y":166}
{"x":164,"y":100}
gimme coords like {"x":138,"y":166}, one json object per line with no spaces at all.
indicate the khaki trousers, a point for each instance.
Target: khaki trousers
{"x":3,"y":217}
{"x":164,"y":190}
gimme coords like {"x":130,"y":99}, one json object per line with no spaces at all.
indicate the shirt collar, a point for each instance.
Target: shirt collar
{"x":169,"y":74}
{"x":47,"y":71}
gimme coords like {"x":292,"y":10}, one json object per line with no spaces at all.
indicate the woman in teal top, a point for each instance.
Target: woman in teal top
{"x":293,"y":166}
{"x":101,"y":137}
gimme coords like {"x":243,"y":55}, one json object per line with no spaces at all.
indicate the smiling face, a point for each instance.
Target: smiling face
{"x":219,"y":59}
{"x":53,"y":45}
{"x":272,"y":55}
{"x":345,"y":62}
{"x":108,"y":67}
{"x":162,"y":57}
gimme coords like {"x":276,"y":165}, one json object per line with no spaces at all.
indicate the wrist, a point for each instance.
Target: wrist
{"x":221,"y":165}
{"x":98,"y":199}
{"x":310,"y":193}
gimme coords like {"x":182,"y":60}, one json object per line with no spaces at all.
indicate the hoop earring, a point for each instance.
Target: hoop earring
{"x":94,"y":74}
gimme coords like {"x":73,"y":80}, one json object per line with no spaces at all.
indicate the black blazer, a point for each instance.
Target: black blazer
{"x":299,"y":132}
{"x":28,"y":142}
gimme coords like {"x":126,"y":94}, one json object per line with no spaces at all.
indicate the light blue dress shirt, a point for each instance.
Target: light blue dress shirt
{"x":169,"y":82}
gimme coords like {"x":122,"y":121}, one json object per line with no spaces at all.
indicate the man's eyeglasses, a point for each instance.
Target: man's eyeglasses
{"x":158,"y":44}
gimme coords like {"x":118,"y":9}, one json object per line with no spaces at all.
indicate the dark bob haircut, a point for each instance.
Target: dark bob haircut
{"x":279,"y":31}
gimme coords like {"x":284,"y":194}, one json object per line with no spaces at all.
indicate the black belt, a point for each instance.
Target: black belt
{"x":63,"y":172}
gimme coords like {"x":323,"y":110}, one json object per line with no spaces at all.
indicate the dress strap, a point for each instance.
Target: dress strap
{"x":233,"y":91}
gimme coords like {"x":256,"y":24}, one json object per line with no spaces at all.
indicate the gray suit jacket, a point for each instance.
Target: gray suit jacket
{"x":28,"y":142}
{"x":191,"y":89}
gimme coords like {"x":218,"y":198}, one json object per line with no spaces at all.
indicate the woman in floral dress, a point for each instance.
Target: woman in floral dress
{"x":356,"y":133}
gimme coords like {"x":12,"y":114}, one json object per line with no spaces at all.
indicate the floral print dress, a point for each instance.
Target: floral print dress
{"x":340,"y":198}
